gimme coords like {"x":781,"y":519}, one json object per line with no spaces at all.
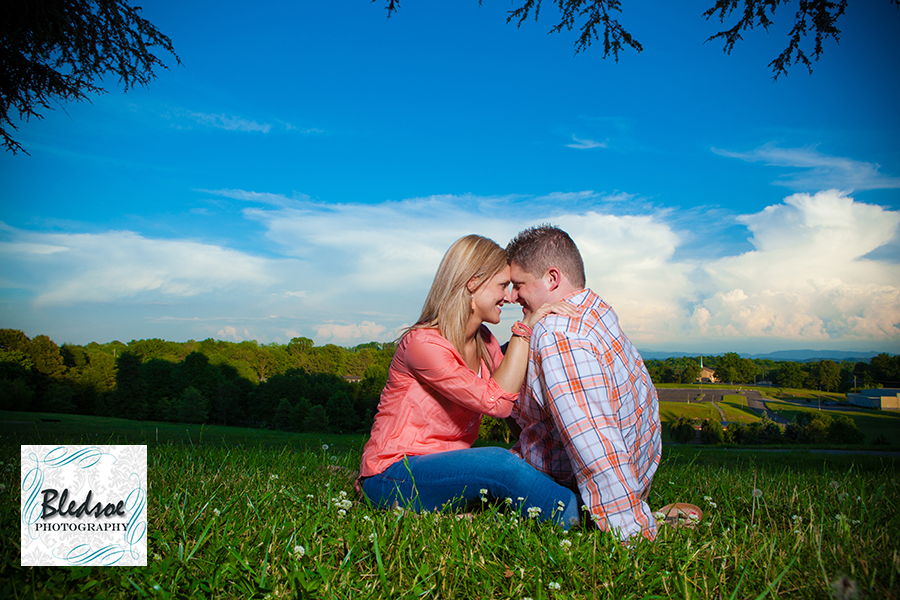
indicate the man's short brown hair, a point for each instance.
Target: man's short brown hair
{"x":539,"y":248}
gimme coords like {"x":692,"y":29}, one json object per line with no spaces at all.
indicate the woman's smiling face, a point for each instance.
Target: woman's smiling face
{"x":487,"y":300}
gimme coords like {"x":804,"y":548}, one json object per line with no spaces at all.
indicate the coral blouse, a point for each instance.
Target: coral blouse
{"x":432,"y":401}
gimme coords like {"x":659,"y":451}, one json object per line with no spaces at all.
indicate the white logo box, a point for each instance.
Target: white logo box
{"x":84,"y":505}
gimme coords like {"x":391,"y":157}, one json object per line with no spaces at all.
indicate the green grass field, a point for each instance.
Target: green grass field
{"x":253,"y":514}
{"x":872,"y":423}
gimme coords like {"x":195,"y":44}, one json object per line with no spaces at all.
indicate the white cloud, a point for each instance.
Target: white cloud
{"x":822,"y":171}
{"x":353,"y":273}
{"x":122,"y":264}
{"x":585,"y":144}
{"x":260,"y":197}
{"x":223,"y":121}
{"x":806,"y":277}
{"x":350,"y":335}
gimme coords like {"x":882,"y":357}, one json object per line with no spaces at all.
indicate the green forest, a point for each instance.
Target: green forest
{"x":297,"y":386}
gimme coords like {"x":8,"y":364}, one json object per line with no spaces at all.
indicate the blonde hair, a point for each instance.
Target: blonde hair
{"x":474,"y":259}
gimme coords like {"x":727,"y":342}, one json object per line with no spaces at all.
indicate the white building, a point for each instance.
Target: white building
{"x":876,"y":398}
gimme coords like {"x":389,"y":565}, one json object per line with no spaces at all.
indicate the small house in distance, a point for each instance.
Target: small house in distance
{"x":876,"y":398}
{"x":707,"y":375}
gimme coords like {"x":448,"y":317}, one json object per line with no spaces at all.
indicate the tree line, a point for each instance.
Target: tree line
{"x":296,"y":386}
{"x":826,"y":375}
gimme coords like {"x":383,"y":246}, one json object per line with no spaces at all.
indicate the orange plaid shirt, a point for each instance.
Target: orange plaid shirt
{"x":589,"y":415}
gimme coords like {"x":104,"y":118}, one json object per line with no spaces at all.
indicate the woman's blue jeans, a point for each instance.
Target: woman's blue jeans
{"x":454,"y":480}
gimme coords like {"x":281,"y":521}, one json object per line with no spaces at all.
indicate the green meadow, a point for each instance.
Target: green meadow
{"x":244,"y":513}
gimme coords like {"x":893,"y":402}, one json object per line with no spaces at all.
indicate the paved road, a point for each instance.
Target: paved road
{"x":754,"y":399}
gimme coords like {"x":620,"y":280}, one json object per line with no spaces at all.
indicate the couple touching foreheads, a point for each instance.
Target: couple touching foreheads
{"x":577,"y":391}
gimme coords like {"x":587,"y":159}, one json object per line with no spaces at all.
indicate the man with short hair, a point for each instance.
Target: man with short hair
{"x":588,"y":411}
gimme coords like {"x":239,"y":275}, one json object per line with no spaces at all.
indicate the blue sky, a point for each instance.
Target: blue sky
{"x":306,"y":168}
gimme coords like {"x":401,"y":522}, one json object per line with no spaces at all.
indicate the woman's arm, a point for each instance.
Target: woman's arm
{"x":433,"y":361}
{"x":511,"y":372}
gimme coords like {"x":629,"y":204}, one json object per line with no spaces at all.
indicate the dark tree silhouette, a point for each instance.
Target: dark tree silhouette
{"x":52,"y":50}
{"x":596,"y":20}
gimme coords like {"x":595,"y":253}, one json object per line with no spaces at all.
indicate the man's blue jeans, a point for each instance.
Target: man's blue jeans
{"x":455,"y":479}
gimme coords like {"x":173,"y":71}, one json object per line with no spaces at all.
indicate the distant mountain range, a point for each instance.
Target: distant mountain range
{"x":795,"y":355}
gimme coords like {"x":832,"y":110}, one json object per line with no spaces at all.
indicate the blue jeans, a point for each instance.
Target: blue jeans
{"x":455,"y":479}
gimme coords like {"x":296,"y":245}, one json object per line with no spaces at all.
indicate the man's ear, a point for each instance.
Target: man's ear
{"x":554,"y":278}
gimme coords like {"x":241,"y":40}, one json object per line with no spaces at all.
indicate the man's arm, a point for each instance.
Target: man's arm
{"x":584,"y":403}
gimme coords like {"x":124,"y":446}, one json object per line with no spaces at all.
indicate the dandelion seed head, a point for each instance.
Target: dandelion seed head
{"x":757,"y":493}
{"x":845,"y":588}
{"x":324,"y":446}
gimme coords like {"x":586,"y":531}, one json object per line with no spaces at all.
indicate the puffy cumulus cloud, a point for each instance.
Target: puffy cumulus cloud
{"x":352,"y":334}
{"x":231,"y":332}
{"x":61,"y":268}
{"x":628,"y":261}
{"x":807,"y":277}
{"x":354,"y":273}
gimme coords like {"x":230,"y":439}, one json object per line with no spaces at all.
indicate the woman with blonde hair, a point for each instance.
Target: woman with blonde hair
{"x":447,"y":372}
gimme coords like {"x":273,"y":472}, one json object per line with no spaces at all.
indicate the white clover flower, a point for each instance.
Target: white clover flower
{"x":561,"y":505}
{"x":216,"y":512}
{"x":299,"y":551}
{"x":553,"y":586}
{"x":520,"y":499}
{"x":310,"y":496}
{"x":483,"y":491}
{"x":757,"y":493}
{"x":713,"y":505}
{"x":693,"y":517}
{"x":398,"y":510}
{"x":659,"y":515}
{"x":373,"y":537}
{"x":273,"y":476}
{"x":565,"y":544}
{"x":342,"y":494}
{"x":341,"y":513}
{"x":534,"y":512}
{"x":707,"y":498}
{"x":508,"y":501}
{"x":367,"y":518}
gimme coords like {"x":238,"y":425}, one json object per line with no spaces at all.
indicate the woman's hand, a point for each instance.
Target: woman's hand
{"x":557,"y":308}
